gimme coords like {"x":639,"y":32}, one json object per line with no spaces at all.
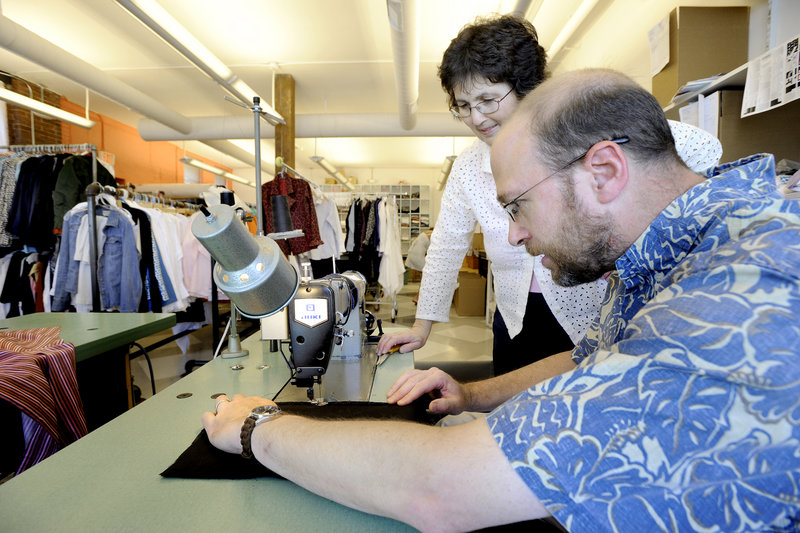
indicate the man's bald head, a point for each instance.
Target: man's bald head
{"x":569,"y":113}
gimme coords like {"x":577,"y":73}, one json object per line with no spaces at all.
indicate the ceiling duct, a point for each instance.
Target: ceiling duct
{"x":404,"y":21}
{"x":30,"y":46}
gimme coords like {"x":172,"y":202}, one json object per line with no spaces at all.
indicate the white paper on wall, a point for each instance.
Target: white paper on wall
{"x":658,"y":36}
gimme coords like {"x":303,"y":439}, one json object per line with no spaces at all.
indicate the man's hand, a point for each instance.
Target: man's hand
{"x":412,"y":339}
{"x":451,"y":396}
{"x":224,"y":426}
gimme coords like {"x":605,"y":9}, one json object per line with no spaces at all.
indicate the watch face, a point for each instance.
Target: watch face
{"x":265,"y":410}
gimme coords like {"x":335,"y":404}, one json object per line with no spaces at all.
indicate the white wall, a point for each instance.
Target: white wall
{"x":615,"y":35}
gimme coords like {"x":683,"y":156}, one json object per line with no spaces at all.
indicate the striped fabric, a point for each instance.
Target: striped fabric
{"x":37,"y":375}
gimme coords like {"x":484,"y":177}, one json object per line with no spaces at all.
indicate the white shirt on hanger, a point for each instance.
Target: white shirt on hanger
{"x":330,"y":229}
{"x":391,"y":270}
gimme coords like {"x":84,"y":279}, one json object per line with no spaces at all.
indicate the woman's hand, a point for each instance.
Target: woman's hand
{"x":411,"y":339}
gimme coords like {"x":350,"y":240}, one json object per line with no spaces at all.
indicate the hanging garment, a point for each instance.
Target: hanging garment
{"x":330,"y":229}
{"x":117,"y":265}
{"x":197,"y":266}
{"x":168,"y":230}
{"x":150,"y":299}
{"x":417,"y":250}
{"x":37,"y":376}
{"x":16,"y":290}
{"x":391,"y":267}
{"x":71,"y":182}
{"x":31,"y":215}
{"x":301,"y":207}
{"x":349,"y":226}
{"x":9,"y":167}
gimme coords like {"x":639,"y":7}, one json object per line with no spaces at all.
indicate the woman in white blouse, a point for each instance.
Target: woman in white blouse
{"x":487,"y":69}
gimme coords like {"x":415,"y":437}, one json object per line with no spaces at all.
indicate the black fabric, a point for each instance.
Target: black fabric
{"x":545,"y":525}
{"x":322,"y":267}
{"x":201,"y":460}
{"x":540,"y":337}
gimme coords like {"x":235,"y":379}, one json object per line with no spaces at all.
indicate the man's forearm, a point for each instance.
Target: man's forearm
{"x":430,"y":477}
{"x":487,"y":394}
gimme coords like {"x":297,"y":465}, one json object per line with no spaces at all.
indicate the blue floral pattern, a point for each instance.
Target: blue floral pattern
{"x":683,"y":413}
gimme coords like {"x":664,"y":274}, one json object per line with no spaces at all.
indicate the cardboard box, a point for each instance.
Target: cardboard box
{"x":470,"y":296}
{"x":703,"y":42}
{"x":477,"y":242}
{"x":774,"y":132}
{"x":470,"y":261}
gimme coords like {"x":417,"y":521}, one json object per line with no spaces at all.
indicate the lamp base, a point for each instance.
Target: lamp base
{"x":231,"y":355}
{"x":234,"y":348}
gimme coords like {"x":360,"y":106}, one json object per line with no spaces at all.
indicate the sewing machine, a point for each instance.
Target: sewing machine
{"x":328,"y":329}
{"x":328,"y":325}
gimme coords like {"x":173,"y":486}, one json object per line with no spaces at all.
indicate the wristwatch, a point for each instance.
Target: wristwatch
{"x":260,"y":414}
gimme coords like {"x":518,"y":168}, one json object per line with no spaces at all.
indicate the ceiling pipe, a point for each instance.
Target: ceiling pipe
{"x":322,"y":125}
{"x":569,"y":28}
{"x":30,"y":46}
{"x":404,"y":21}
{"x":228,"y":148}
{"x":527,"y":8}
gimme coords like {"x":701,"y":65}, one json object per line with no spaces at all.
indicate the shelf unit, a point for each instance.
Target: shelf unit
{"x":734,"y":79}
{"x":413,"y":204}
{"x":771,"y":131}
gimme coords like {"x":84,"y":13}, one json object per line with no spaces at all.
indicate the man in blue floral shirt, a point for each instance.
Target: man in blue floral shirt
{"x":678,"y":411}
{"x":683,"y":411}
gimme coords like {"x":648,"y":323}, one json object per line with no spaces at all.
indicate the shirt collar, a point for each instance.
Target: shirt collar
{"x":674,"y":232}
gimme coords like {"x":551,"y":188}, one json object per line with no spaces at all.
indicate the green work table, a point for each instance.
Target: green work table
{"x":95,"y":333}
{"x":101,"y":343}
{"x":109,"y":480}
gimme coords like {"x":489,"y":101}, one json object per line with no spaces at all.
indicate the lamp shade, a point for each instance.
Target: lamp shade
{"x":251,"y":270}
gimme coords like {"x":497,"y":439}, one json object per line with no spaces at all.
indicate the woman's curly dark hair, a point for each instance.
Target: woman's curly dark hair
{"x":501,"y":49}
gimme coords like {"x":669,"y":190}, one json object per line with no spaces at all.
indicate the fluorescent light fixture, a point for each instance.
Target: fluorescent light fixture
{"x":44,"y":109}
{"x":330,"y":169}
{"x":215,"y":170}
{"x":155,"y":17}
{"x":447,"y":164}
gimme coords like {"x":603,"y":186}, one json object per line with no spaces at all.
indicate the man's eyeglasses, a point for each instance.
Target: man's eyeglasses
{"x":484,"y":107}
{"x":512,"y":207}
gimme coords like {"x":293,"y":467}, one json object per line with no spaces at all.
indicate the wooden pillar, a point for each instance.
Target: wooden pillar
{"x":284,"y":104}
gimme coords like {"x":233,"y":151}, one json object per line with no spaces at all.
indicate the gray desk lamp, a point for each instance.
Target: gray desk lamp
{"x":250,"y":269}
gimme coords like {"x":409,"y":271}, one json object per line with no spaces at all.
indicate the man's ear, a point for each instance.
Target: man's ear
{"x":609,"y":167}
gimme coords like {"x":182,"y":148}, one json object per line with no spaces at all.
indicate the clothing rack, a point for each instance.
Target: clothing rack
{"x":375,"y":286}
{"x":91,"y":192}
{"x":279,"y":164}
{"x":126,"y":192}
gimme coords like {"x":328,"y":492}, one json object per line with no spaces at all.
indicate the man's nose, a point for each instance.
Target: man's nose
{"x":517,"y":234}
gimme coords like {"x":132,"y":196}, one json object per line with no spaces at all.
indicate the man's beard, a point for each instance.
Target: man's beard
{"x":583,"y":250}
